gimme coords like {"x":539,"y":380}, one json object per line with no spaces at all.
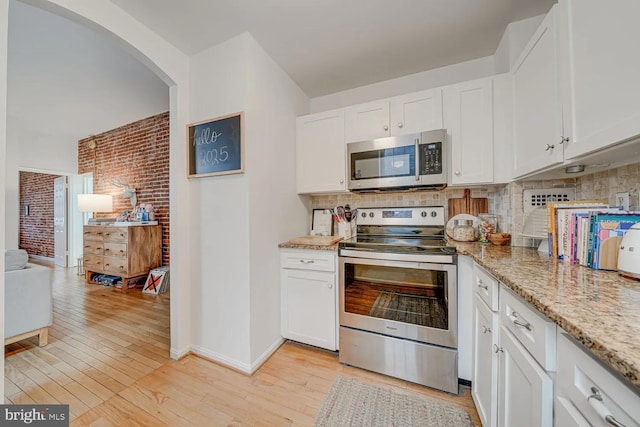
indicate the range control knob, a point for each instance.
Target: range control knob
{"x":434,"y":214}
{"x":370,"y":214}
{"x":363,"y":214}
{"x":424,"y":214}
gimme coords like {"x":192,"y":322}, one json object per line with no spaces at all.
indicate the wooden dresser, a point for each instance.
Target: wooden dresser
{"x":125,"y":251}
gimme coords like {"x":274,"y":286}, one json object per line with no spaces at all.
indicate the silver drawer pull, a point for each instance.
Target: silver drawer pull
{"x":307,"y":261}
{"x":595,"y":400}
{"x":483,"y":286}
{"x":514,"y":318}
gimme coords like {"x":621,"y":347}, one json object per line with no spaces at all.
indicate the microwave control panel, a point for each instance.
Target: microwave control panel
{"x":431,"y":158}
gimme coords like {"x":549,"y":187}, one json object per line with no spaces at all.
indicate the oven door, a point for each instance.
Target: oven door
{"x":412,"y":300}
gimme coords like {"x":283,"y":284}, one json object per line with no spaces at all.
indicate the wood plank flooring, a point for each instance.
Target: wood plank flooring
{"x":107,"y":358}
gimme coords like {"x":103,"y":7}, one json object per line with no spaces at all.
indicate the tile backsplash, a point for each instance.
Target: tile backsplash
{"x":506,"y":201}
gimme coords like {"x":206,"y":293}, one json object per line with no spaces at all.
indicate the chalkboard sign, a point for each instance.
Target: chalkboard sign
{"x":216,"y":147}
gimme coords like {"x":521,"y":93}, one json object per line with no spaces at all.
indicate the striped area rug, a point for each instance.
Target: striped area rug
{"x":353,"y":403}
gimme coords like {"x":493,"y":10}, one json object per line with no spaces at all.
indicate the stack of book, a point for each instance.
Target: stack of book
{"x":588,"y":232}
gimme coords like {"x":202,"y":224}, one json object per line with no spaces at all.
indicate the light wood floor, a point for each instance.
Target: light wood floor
{"x":107,"y":358}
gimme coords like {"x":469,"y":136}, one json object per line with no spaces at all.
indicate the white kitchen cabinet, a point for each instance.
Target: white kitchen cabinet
{"x":598,"y":44}
{"x":411,"y":113}
{"x":538,"y":129}
{"x":309,"y":297}
{"x":525,"y":390}
{"x":484,"y":386}
{"x":468,"y":118}
{"x":320,"y":153}
{"x":588,"y":392}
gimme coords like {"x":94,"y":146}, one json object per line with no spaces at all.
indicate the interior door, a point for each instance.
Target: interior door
{"x":60,"y":220}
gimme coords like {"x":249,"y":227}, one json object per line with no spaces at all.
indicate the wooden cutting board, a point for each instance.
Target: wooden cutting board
{"x":468,"y":205}
{"x":316,"y":240}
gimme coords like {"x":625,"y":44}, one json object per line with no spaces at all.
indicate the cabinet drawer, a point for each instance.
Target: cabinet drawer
{"x":116,"y":266}
{"x":118,"y":250}
{"x":534,"y":331}
{"x":92,"y":247}
{"x":115,"y":234}
{"x":581,"y":376}
{"x":308,"y":260}
{"x":486,"y":286}
{"x":93,"y":233}
{"x":92,"y":262}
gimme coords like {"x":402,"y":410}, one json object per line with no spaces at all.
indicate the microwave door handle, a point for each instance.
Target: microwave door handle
{"x":417,"y":143}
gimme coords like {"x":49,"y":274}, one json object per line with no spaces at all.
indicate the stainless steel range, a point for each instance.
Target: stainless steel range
{"x":398,"y":296}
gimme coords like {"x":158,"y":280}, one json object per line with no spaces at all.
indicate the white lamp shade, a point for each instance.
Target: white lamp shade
{"x":95,"y":203}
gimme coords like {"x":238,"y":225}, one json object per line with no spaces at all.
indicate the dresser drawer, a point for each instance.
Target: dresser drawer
{"x":115,"y":266}
{"x":308,"y":260}
{"x":92,"y":262}
{"x":534,"y":331}
{"x":92,"y":247}
{"x":592,"y":388}
{"x":115,"y":234}
{"x":118,"y":250}
{"x":93,"y":233}
{"x":486,"y":286}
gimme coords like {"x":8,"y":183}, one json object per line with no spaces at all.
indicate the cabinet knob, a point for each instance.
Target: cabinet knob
{"x":385,"y":127}
{"x":497,"y":349}
{"x":330,"y":285}
{"x":485,"y":329}
{"x":564,"y":139}
{"x":457,"y":172}
{"x":400,"y":125}
{"x":549,"y":147}
{"x":342,"y":181}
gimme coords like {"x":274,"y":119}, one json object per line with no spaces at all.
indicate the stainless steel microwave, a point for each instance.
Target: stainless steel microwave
{"x":407,"y":162}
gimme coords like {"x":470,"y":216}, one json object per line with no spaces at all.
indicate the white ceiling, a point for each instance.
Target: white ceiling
{"x":328,"y":46}
{"x":73,"y":82}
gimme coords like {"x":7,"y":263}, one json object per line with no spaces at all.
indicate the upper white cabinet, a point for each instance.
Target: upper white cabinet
{"x":320,"y":153}
{"x":538,"y":130}
{"x":600,"y":67}
{"x":468,"y":119}
{"x":412,"y":113}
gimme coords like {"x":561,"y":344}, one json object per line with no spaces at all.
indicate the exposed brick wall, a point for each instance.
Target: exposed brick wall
{"x":137,"y":154}
{"x":36,"y":230}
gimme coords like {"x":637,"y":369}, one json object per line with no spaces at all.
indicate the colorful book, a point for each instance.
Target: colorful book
{"x":552,"y":219}
{"x":607,"y":230}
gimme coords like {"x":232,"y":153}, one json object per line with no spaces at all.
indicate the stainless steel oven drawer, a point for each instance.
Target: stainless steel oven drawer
{"x":420,"y":363}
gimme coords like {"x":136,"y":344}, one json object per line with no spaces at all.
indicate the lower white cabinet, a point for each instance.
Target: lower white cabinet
{"x":484,"y":386}
{"x":587,"y":394}
{"x":526,"y":390}
{"x":309,"y":297}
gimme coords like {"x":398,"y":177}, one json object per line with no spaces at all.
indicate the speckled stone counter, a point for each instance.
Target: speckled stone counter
{"x":600,"y":309}
{"x":288,"y":245}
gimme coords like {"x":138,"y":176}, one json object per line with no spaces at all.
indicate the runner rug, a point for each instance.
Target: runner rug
{"x":353,"y":403}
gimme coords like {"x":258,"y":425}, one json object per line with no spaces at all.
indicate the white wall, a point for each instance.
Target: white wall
{"x":451,"y":74}
{"x":219,"y":219}
{"x":276,"y":212}
{"x":4,"y":19}
{"x":513,"y":40}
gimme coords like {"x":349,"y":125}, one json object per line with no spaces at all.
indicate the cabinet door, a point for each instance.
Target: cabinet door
{"x":525,"y":391}
{"x":485,"y":364}
{"x":469,"y":123}
{"x":537,"y":112}
{"x":309,"y":307}
{"x":416,"y":112}
{"x":367,"y":121}
{"x":599,"y":45}
{"x":320,"y":153}
{"x":566,"y":415}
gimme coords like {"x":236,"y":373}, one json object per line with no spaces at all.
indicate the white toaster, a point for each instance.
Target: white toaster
{"x":629,"y":253}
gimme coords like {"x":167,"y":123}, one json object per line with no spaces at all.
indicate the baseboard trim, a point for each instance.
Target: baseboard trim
{"x":245,"y":368}
{"x":266,"y":355}
{"x":179,"y":354}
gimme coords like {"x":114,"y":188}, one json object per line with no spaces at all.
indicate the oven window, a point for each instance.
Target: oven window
{"x":402,"y":294}
{"x":385,"y":163}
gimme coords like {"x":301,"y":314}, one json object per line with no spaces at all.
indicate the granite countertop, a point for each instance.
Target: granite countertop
{"x":288,"y":245}
{"x":600,"y":309}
